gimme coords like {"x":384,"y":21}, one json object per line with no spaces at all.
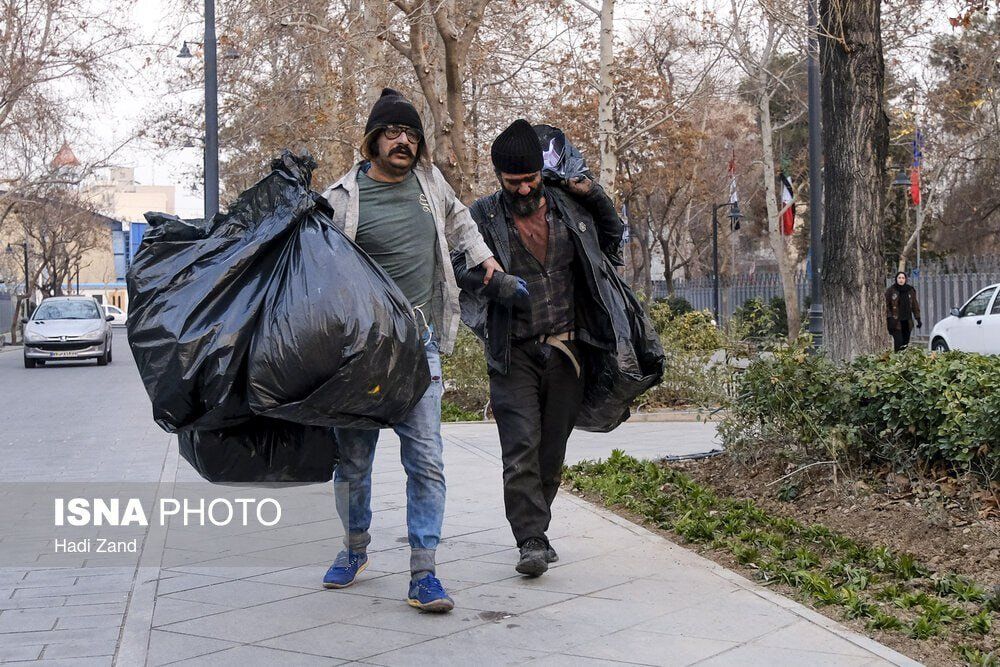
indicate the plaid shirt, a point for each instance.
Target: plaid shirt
{"x":550,"y":286}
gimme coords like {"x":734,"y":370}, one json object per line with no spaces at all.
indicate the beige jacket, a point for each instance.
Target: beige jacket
{"x":455,"y":228}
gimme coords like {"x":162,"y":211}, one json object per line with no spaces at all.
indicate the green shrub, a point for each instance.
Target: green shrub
{"x":677,"y":304}
{"x":900,"y":407}
{"x":467,"y":387}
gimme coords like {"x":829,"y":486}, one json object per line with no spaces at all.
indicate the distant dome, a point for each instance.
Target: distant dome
{"x":65,"y":157}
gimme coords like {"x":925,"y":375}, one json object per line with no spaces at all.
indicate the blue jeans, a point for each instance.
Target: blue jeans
{"x":421,"y":454}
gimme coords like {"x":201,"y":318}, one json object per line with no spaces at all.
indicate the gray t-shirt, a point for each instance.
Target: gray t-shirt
{"x":396,"y":228}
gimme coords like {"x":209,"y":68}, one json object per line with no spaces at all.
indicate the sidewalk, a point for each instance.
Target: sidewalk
{"x":619,"y":594}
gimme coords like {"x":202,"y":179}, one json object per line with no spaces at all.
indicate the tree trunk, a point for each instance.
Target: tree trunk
{"x":605,"y":102}
{"x":855,"y":137}
{"x":774,"y":234}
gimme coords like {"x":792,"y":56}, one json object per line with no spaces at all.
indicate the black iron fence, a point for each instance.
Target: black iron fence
{"x":940,"y":286}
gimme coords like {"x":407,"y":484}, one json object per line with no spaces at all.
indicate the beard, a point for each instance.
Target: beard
{"x":523,"y":205}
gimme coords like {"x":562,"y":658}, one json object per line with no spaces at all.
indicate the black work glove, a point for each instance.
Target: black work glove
{"x":919,"y":324}
{"x":892,"y":323}
{"x":509,"y":290}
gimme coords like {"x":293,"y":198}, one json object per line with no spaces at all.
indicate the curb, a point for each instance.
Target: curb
{"x":133,"y":640}
{"x":658,"y":416}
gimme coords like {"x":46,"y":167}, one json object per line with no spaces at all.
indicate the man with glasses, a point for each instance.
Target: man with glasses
{"x":400,"y":210}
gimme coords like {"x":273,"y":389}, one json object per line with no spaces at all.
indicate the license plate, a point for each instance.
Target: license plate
{"x":67,"y":353}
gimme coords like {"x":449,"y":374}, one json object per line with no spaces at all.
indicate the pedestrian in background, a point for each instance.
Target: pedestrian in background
{"x":901,"y":309}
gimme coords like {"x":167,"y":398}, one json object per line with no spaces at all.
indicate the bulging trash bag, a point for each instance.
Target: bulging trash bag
{"x":614,"y":379}
{"x":562,"y":161}
{"x":336,"y":344}
{"x":270,"y":310}
{"x":261,"y":450}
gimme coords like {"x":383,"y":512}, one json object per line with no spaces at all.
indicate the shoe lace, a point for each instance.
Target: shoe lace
{"x":345,"y":559}
{"x":432,"y":585}
{"x":535,"y":543}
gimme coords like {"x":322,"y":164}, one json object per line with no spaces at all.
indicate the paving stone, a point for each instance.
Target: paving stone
{"x":171,"y":610}
{"x":347,"y":642}
{"x":767,"y":656}
{"x":242,"y":656}
{"x":90,"y":621}
{"x":237,"y":594}
{"x":457,"y":650}
{"x":649,"y":648}
{"x":740,"y":616}
{"x":166,"y":647}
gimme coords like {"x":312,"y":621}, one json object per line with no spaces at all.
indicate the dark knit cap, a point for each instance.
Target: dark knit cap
{"x":517,"y":149}
{"x":393,"y":109}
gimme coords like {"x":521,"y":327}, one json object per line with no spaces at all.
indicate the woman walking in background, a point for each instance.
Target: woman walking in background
{"x":901,"y":310}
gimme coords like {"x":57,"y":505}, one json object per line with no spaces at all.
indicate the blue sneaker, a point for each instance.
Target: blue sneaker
{"x":345,"y":569}
{"x":428,"y":594}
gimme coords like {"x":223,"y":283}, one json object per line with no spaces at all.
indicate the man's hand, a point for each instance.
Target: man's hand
{"x":490,"y":265}
{"x":920,"y":325}
{"x":580,"y":186}
{"x":512,"y":291}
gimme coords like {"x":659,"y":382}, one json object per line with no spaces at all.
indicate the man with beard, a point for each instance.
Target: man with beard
{"x":400,"y":210}
{"x":536,"y":321}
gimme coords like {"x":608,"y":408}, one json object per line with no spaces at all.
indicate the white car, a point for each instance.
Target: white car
{"x":119,"y":315}
{"x":975,"y":327}
{"x":67,"y":327}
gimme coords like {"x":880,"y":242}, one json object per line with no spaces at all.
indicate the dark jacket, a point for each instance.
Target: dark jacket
{"x":892,"y":306}
{"x":596,"y":231}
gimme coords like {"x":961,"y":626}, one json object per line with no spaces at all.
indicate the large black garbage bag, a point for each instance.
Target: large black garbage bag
{"x":615,"y":379}
{"x":273,"y":311}
{"x":336,"y":344}
{"x":195,"y":292}
{"x":261,"y":450}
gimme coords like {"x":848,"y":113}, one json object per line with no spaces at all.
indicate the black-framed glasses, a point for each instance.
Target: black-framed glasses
{"x":393,"y":131}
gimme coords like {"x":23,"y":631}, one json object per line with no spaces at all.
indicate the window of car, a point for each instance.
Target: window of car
{"x":977,"y":305}
{"x":112,"y":310}
{"x":996,"y":306}
{"x":68,"y":310}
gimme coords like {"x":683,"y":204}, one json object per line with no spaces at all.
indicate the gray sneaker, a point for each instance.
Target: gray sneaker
{"x":534,"y":558}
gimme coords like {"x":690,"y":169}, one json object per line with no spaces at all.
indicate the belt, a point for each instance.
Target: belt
{"x":557,"y":341}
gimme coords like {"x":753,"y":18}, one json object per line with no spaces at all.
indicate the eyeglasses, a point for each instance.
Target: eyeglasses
{"x":393,"y":131}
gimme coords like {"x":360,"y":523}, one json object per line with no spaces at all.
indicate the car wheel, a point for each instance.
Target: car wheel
{"x":29,"y":363}
{"x":104,"y":358}
{"x":939,"y":345}
{"x":109,"y":354}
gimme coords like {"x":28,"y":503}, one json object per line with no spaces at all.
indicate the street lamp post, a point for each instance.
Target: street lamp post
{"x":211,"y":114}
{"x":211,"y":106}
{"x":734,"y":216}
{"x":815,"y":179}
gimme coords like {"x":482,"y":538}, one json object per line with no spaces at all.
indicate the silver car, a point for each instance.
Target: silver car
{"x":67,"y":327}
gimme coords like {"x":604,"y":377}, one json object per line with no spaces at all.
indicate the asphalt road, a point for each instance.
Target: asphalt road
{"x":77,"y":421}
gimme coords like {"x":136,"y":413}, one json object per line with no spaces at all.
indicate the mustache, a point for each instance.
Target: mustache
{"x":402,"y":150}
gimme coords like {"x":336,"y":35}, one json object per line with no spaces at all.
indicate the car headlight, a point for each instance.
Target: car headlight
{"x":32,"y":337}
{"x":96,"y":333}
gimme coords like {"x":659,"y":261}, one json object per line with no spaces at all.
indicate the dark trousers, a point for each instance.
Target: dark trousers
{"x":535,"y":404}
{"x":901,"y":335}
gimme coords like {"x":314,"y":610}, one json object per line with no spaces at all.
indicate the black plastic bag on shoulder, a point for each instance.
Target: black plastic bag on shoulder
{"x":270,"y":310}
{"x":562,"y":161}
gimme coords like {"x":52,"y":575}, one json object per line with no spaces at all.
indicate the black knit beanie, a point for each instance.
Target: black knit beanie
{"x":517,"y":149}
{"x":393,"y":109}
